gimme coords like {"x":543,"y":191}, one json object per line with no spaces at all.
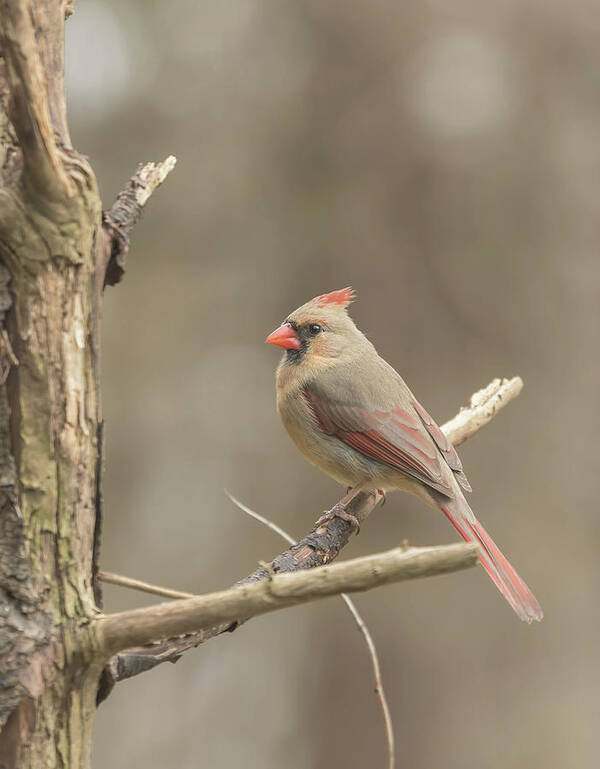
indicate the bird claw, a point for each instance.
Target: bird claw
{"x":339,"y":511}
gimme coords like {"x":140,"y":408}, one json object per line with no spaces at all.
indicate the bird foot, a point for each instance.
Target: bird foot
{"x":339,"y":511}
{"x":384,"y":495}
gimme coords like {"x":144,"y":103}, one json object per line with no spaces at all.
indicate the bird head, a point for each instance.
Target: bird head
{"x":321,"y":329}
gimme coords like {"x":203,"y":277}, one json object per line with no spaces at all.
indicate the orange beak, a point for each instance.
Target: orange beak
{"x":285,"y":337}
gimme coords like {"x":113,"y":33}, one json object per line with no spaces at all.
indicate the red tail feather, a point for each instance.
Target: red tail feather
{"x":500,"y":570}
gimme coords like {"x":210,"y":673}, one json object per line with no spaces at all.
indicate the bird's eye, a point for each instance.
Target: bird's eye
{"x":314,"y":328}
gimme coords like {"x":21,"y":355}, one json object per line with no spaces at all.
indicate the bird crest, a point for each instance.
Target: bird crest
{"x":342,"y":297}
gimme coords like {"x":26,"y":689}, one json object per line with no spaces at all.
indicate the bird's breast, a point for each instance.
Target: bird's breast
{"x":326,"y":452}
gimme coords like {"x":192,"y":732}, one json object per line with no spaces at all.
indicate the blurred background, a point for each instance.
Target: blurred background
{"x":446,"y":164}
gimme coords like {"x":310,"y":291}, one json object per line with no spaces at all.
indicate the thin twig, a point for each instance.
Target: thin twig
{"x":261,"y":519}
{"x":143,"y":587}
{"x":387,"y":717}
{"x":361,"y":624}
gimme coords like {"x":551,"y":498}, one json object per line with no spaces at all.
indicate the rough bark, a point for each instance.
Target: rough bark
{"x":50,"y":219}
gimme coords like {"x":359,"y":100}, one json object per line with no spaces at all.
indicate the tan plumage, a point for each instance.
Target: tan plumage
{"x":353,"y":416}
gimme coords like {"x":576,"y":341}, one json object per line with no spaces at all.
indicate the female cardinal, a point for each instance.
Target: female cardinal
{"x":353,"y":416}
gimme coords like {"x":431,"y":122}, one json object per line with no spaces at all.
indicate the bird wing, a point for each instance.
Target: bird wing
{"x":443,"y":444}
{"x":404,"y":438}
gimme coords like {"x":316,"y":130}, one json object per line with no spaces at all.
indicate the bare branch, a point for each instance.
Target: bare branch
{"x":361,"y":624}
{"x":125,"y":212}
{"x":320,"y":546}
{"x":482,"y":408}
{"x":127,"y":208}
{"x":141,"y":626}
{"x":31,"y":108}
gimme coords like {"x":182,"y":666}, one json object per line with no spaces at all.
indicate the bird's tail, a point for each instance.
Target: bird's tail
{"x":500,"y":570}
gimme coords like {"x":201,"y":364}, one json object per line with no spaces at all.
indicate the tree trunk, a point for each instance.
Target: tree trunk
{"x":50,"y":241}
{"x":53,"y":408}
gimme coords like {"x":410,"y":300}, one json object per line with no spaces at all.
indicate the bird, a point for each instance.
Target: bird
{"x":354,"y":417}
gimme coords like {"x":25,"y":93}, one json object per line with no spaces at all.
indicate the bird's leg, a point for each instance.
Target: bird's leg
{"x":339,"y":509}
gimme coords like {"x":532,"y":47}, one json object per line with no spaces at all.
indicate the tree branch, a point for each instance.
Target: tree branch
{"x":482,"y":408}
{"x":141,"y":626}
{"x":318,"y":547}
{"x":125,"y":212}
